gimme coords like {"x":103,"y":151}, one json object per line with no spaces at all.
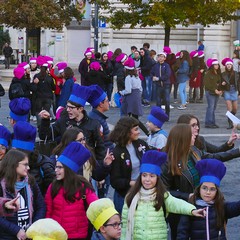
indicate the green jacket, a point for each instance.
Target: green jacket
{"x":212,"y":82}
{"x":150,"y":224}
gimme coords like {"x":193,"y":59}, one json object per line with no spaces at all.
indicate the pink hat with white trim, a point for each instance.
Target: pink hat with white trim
{"x":121,"y":58}
{"x":177,"y":55}
{"x":226,"y":61}
{"x":200,"y":54}
{"x":18,"y":72}
{"x":49,"y":59}
{"x":24,"y":65}
{"x":193,"y":54}
{"x":167,"y":50}
{"x":212,"y":61}
{"x":129,"y":64}
{"x":61,"y":66}
{"x":33,"y":60}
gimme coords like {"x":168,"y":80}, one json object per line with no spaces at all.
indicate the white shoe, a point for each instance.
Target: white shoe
{"x":34,"y":119}
{"x":31,"y":117}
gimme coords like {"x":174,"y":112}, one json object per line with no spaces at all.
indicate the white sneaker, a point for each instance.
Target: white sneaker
{"x":181,"y":107}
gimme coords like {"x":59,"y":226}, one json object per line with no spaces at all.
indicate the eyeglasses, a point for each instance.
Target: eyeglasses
{"x":195,"y":125}
{"x":26,"y":165}
{"x":3,"y":148}
{"x":115,"y":225}
{"x":70,"y":107}
{"x":81,"y":140}
{"x":58,"y":167}
{"x":211,"y":189}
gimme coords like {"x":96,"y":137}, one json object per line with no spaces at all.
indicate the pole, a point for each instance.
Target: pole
{"x":96,"y":27}
{"x":238,"y":26}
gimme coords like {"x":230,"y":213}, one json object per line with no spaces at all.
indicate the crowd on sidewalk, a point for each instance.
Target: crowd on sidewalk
{"x":165,"y":187}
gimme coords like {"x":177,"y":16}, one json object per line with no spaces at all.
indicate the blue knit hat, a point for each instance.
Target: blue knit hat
{"x":24,"y":136}
{"x":80,"y":94}
{"x":5,"y":136}
{"x":74,"y":156}
{"x":97,"y":95}
{"x":211,"y":170}
{"x":19,"y":109}
{"x":152,"y":161}
{"x":157,"y":116}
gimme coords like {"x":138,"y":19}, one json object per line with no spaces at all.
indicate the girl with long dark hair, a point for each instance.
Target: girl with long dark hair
{"x":69,"y":196}
{"x":16,"y":182}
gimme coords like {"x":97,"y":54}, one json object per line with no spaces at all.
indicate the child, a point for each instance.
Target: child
{"x":158,"y":137}
{"x":148,"y":202}
{"x":209,"y":196}
{"x":105,"y":219}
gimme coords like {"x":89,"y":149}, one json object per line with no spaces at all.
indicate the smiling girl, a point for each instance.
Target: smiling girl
{"x":148,"y":202}
{"x":209,"y":196}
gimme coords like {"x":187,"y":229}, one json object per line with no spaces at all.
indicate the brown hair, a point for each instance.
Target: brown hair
{"x":178,"y":147}
{"x":121,"y":132}
{"x":218,"y":205}
{"x":160,"y":191}
{"x":186,"y":57}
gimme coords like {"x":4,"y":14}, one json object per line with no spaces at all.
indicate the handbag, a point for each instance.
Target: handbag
{"x":46,"y":146}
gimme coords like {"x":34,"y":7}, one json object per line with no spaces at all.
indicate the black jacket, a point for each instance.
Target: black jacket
{"x":90,"y":127}
{"x":120,"y":175}
{"x":194,"y":228}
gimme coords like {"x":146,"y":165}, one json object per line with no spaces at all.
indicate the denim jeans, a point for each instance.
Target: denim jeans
{"x":182,"y":92}
{"x":109,"y":90}
{"x":163,"y":96}
{"x":147,"y":88}
{"x":212,"y":101}
{"x":118,"y":201}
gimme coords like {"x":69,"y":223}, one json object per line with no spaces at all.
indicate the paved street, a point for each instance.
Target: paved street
{"x":229,"y":185}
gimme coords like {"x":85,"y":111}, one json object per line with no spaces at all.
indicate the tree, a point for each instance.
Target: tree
{"x":169,"y":13}
{"x":4,"y":37}
{"x":38,"y":14}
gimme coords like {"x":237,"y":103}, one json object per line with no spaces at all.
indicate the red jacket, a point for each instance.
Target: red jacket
{"x":71,"y":216}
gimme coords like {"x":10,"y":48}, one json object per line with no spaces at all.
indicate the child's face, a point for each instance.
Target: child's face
{"x":149,"y":180}
{"x":113,"y":228}
{"x":208,"y":191}
{"x":151,"y":127}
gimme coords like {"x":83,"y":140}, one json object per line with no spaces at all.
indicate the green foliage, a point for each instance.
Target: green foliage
{"x":169,"y":13}
{"x":4,"y":37}
{"x":38,"y":13}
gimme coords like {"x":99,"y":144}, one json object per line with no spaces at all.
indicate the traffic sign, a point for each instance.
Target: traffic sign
{"x":102,"y":23}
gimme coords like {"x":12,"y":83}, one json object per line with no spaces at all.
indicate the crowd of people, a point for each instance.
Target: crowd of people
{"x":164,"y":187}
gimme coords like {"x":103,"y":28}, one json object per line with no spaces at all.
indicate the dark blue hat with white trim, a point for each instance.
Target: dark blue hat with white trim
{"x":152,"y":161}
{"x":80,"y":94}
{"x":157,"y":116}
{"x":19,"y":108}
{"x":24,"y":136}
{"x":97,"y":95}
{"x":74,"y":156}
{"x":211,"y":170}
{"x":5,"y":136}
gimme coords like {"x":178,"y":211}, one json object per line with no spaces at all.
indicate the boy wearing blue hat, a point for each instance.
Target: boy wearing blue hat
{"x":158,"y":137}
{"x":208,"y":195}
{"x":75,"y":116}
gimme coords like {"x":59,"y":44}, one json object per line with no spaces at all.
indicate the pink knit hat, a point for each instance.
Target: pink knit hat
{"x":129,"y":64}
{"x":167,"y":50}
{"x":177,"y":55}
{"x":109,"y":54}
{"x":18,"y":72}
{"x":200,"y":54}
{"x":24,"y":65}
{"x":226,"y":61}
{"x":61,"y":66}
{"x":121,"y":58}
{"x":212,"y":61}
{"x":193,"y":54}
{"x":33,"y":60}
{"x":95,"y":66}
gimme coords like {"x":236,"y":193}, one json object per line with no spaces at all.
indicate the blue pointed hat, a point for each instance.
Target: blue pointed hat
{"x":211,"y":170}
{"x":74,"y":156}
{"x":5,"y":136}
{"x":152,"y":161}
{"x":19,"y":108}
{"x":24,"y":136}
{"x":80,"y":94}
{"x":97,"y":95}
{"x":157,"y":116}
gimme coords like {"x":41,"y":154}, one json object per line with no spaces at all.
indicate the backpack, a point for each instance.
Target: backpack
{"x":15,"y":90}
